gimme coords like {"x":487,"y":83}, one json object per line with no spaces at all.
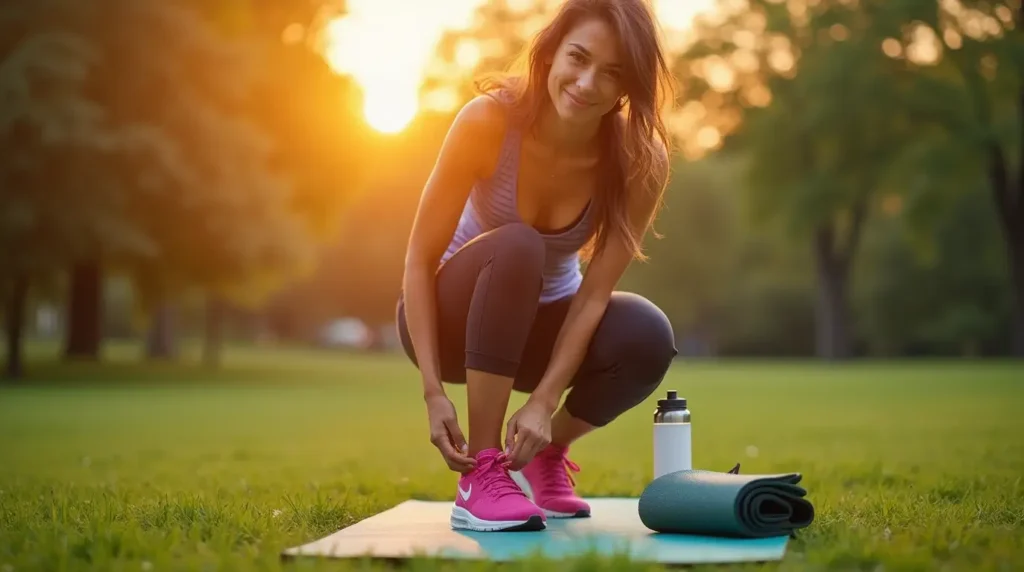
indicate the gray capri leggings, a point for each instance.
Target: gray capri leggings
{"x":490,"y":319}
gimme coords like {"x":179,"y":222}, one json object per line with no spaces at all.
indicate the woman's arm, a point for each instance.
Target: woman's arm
{"x":529,"y":429}
{"x":467,"y":153}
{"x":588,"y":306}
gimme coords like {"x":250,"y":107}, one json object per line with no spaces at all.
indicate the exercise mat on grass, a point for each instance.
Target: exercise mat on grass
{"x":421,"y":529}
{"x":726,"y":504}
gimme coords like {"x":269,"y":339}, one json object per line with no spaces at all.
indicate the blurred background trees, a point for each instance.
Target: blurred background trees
{"x":847,"y":179}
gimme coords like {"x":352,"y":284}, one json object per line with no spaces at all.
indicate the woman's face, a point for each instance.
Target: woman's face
{"x":584,"y":82}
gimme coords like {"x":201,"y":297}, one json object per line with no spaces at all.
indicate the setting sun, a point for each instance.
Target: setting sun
{"x":390,"y":112}
{"x":387,"y":46}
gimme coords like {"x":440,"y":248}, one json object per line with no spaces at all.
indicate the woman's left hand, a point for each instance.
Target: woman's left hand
{"x":527,"y":433}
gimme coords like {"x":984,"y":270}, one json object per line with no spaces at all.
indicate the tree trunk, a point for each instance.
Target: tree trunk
{"x":84,"y":304}
{"x":14,"y":322}
{"x":160,"y":340}
{"x":831,"y":313}
{"x":832,"y":262}
{"x":1014,"y":232}
{"x":213,"y":339}
{"x":1010,"y":208}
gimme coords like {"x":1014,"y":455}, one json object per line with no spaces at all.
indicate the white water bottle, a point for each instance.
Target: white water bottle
{"x":672,"y":446}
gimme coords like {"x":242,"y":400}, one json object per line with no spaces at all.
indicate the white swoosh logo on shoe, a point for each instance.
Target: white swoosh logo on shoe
{"x":465,"y":493}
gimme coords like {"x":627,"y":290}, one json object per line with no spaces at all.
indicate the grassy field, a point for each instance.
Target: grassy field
{"x":910,"y":465}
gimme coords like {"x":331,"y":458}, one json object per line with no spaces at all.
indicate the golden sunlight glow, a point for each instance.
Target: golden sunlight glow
{"x":390,"y":112}
{"x":676,"y":17}
{"x":925,"y":46}
{"x":386,"y":46}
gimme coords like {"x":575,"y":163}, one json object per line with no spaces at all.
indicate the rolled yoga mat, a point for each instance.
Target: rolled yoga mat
{"x":710,"y":503}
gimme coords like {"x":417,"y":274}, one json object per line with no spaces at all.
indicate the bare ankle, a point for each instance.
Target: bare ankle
{"x":566,"y":429}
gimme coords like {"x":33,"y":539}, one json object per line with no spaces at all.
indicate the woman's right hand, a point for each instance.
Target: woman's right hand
{"x":446,"y":435}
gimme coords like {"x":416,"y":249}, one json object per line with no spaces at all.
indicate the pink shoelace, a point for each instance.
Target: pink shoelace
{"x":495,"y":478}
{"x":556,"y":471}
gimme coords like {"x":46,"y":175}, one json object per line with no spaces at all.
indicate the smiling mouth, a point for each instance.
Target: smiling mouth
{"x":576,"y":100}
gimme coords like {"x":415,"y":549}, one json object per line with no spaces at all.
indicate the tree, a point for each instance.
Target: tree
{"x":951,"y":299}
{"x":169,"y":170}
{"x":806,"y":92}
{"x":53,"y":137}
{"x":319,"y":146}
{"x":970,"y":96}
{"x":204,"y":194}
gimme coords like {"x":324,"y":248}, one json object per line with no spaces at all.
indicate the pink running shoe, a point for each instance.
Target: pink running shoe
{"x":547,"y":481}
{"x":489,"y":500}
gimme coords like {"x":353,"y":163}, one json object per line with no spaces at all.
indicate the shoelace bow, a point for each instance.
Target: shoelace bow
{"x":554,"y":477}
{"x":496,"y":478}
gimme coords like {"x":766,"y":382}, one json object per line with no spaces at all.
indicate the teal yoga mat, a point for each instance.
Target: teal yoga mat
{"x":421,"y":529}
{"x":726,"y":504}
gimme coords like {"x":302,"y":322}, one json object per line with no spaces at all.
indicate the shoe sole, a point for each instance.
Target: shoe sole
{"x":577,"y":514}
{"x":520,"y":480}
{"x":462,"y":519}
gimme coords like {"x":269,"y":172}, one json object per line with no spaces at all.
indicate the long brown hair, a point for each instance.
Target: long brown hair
{"x":631,"y":133}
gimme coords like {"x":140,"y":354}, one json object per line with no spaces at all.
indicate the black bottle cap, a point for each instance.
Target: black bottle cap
{"x":672,"y":402}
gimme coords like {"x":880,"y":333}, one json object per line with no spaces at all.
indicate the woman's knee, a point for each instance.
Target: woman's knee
{"x":518,"y":245}
{"x":629,"y":356}
{"x":643,"y":338}
{"x":514,"y":261}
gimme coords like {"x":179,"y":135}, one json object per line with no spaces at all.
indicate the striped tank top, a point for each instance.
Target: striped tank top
{"x":493,"y":202}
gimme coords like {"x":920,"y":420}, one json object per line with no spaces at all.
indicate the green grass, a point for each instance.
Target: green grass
{"x":910,"y":465}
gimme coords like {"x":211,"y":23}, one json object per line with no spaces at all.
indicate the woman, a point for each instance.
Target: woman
{"x":539,"y":172}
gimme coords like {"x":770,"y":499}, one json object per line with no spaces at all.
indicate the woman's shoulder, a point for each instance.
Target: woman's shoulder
{"x":483,"y":116}
{"x":480,"y":127}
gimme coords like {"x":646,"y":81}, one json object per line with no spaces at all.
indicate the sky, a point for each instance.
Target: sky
{"x":387,"y":45}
